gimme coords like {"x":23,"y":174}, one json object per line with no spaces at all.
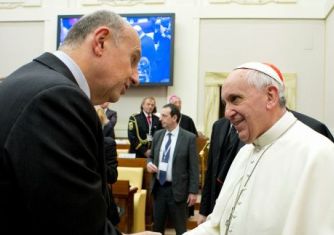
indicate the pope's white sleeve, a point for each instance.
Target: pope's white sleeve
{"x":206,"y":228}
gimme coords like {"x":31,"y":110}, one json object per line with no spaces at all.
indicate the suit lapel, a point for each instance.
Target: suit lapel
{"x":155,"y":121}
{"x":178,"y":142}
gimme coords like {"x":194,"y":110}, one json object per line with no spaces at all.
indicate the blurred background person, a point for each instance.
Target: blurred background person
{"x":147,"y":63}
{"x":110,"y":123}
{"x":188,"y":124}
{"x":110,"y":154}
{"x":175,"y":168}
{"x":185,"y":122}
{"x":141,"y":128}
{"x":162,"y":38}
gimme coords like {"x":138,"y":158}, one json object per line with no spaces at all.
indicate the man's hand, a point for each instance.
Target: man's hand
{"x":201,"y":219}
{"x":147,"y":153}
{"x":191,"y":199}
{"x":151,"y":168}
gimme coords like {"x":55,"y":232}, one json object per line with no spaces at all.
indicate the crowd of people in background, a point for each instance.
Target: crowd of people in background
{"x":155,"y":35}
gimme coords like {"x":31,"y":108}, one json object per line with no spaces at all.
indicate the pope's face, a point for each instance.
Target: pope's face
{"x":246,"y":106}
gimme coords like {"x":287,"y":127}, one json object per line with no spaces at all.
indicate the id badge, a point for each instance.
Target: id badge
{"x":149,"y":137}
{"x":163,"y":166}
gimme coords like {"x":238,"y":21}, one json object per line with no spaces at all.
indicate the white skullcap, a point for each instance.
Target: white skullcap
{"x":266,"y":68}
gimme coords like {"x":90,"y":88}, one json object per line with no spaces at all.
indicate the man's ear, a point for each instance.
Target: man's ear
{"x":272,"y":96}
{"x":101,"y":35}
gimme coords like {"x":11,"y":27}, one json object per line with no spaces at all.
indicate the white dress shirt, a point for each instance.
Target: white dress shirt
{"x":75,"y":70}
{"x":174,"y":136}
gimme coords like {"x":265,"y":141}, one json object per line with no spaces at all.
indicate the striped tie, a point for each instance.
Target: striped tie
{"x":165,"y":158}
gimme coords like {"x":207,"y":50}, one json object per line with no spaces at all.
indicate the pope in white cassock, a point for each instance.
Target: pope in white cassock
{"x":281,"y":181}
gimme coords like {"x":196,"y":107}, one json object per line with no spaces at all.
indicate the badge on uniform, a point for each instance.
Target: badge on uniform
{"x":130,"y":126}
{"x":149,"y":137}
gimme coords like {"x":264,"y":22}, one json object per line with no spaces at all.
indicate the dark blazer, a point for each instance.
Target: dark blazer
{"x":216,"y":164}
{"x":109,"y":128}
{"x":52,"y":168}
{"x":185,"y":171}
{"x":188,"y":124}
{"x":111,"y":159}
{"x":137,"y":133}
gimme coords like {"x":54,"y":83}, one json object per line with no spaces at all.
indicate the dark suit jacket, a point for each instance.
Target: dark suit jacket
{"x":188,"y":124}
{"x":111,"y":159}
{"x":139,"y":121}
{"x":52,"y":168}
{"x":216,"y":164}
{"x":185,"y":172}
{"x":109,"y":129}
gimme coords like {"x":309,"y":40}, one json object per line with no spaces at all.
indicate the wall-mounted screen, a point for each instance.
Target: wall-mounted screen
{"x":156,"y":32}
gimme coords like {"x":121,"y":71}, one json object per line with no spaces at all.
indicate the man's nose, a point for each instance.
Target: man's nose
{"x":228,"y":111}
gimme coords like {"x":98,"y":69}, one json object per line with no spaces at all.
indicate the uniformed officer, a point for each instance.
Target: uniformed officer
{"x":141,"y":128}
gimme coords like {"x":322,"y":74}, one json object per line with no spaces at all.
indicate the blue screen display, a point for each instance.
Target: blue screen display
{"x":156,"y":32}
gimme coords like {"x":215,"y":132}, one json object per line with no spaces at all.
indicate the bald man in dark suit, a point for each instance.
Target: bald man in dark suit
{"x":52,"y":170}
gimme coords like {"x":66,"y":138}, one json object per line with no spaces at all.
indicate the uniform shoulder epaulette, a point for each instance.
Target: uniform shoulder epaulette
{"x":134,"y":125}
{"x":135,"y":114}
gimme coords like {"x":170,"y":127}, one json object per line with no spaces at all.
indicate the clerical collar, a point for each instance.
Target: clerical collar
{"x":274,"y":132}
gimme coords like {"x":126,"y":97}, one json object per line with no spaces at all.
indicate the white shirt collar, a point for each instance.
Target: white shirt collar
{"x":146,"y":114}
{"x":174,"y":132}
{"x":75,"y":70}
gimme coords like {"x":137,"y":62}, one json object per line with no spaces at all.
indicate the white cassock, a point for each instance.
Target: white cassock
{"x":283,"y":184}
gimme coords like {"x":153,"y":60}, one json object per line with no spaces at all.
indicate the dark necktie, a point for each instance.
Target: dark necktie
{"x":149,"y":119}
{"x":165,"y":158}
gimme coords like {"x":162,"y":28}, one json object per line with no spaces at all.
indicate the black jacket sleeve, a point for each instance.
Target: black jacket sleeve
{"x":111,"y":159}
